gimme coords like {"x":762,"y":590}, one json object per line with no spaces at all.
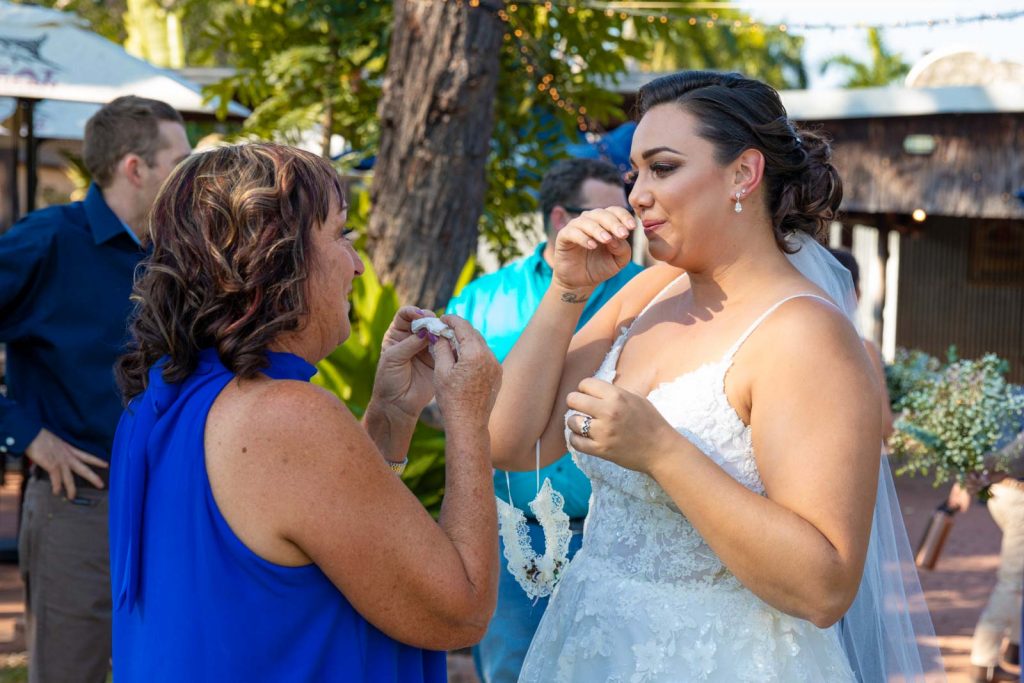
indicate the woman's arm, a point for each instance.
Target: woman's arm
{"x":544,"y":359}
{"x":875,"y":356}
{"x":816,"y":436}
{"x":539,"y":372}
{"x":547,"y":361}
{"x":299,"y":480}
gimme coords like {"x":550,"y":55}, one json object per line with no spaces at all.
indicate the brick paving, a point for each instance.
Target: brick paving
{"x":956,"y":590}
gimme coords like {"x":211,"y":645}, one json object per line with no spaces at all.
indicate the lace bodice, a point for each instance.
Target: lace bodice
{"x":640,"y":526}
{"x":646,"y":600}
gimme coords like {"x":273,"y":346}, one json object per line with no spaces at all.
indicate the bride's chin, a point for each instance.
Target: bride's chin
{"x":660,"y":250}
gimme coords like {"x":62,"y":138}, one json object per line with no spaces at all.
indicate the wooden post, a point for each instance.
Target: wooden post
{"x":878,"y":293}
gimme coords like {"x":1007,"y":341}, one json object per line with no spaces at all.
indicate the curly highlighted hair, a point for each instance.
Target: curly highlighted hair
{"x":231,"y":231}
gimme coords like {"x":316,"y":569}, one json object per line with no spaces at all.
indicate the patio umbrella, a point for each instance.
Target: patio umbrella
{"x":48,"y":55}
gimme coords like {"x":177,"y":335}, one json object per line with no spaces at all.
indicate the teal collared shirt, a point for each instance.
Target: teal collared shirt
{"x":500,"y":305}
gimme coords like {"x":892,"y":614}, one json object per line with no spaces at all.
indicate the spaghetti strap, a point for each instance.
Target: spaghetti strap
{"x":658,"y":296}
{"x":750,"y":330}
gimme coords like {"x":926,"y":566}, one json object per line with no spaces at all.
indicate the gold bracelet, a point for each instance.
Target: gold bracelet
{"x":398,"y":467}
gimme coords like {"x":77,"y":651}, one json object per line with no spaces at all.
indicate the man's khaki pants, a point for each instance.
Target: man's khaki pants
{"x":1002,"y":614}
{"x":63,"y":550}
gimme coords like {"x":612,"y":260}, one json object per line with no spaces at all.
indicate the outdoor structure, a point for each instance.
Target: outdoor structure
{"x":934,"y":210}
{"x":54,"y":73}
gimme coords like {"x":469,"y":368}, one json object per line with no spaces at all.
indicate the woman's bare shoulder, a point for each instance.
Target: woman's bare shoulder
{"x":642,"y":289}
{"x":813,"y":334}
{"x":271,"y":416}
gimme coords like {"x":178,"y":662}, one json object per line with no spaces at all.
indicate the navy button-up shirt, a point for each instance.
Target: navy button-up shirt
{"x":66,"y":274}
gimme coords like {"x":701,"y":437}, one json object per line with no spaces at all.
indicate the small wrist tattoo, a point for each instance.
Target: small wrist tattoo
{"x":571,"y":298}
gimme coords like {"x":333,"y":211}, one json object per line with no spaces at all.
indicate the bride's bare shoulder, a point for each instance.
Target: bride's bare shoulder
{"x":642,"y":289}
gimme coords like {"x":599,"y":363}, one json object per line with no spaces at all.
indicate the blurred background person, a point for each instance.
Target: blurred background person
{"x":1001,"y":618}
{"x":65,"y":279}
{"x":500,"y":305}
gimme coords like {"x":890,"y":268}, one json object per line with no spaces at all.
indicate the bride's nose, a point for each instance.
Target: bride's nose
{"x":640,"y":198}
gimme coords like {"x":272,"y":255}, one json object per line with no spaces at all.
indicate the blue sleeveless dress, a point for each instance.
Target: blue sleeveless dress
{"x":191,"y":601}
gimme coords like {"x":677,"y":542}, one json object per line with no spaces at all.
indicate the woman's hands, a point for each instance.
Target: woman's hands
{"x":405,"y":372}
{"x":592,"y":248}
{"x":624,"y":428}
{"x":467,"y":385}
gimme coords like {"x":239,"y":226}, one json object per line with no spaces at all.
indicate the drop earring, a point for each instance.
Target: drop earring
{"x":739,"y":207}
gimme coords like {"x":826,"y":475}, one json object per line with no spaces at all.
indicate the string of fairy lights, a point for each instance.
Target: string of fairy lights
{"x":664,"y":12}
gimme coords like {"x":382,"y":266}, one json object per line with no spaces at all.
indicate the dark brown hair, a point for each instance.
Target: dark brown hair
{"x":127,"y":125}
{"x":735,"y":114}
{"x":561,"y":185}
{"x":231,"y":232}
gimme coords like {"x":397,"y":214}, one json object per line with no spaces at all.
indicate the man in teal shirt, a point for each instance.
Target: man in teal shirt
{"x":500,"y":305}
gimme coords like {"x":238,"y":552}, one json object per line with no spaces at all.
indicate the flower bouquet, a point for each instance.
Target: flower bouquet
{"x":907,"y":372}
{"x":953,"y":418}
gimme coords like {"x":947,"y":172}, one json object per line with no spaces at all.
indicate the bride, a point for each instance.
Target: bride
{"x":724,"y":409}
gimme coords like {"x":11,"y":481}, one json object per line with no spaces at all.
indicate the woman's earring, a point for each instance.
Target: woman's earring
{"x":739,"y":207}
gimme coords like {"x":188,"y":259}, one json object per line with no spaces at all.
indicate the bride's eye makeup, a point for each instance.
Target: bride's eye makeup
{"x":660,"y":169}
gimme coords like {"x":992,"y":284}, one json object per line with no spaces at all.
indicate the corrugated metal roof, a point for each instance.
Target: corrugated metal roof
{"x":863,"y":103}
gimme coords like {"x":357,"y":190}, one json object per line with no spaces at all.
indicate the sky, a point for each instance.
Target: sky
{"x":999,"y":40}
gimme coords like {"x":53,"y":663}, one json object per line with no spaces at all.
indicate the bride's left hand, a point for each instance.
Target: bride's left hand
{"x":625,"y":428}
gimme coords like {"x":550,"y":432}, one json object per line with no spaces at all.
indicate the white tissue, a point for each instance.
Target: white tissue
{"x":436,"y":327}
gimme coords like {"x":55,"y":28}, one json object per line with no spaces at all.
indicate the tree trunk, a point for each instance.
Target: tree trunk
{"x":436,"y":117}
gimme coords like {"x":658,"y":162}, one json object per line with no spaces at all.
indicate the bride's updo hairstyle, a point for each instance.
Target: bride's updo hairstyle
{"x":736,"y":113}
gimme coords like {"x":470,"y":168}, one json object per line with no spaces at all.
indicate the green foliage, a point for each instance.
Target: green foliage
{"x":318,"y":65}
{"x":884,"y":68}
{"x":303,"y":65}
{"x":953,"y":417}
{"x":908,"y":372}
{"x":772,"y":56}
{"x":155,"y":32}
{"x":547,"y":53}
{"x":77,"y":173}
{"x":14,"y":674}
{"x":105,"y":17}
{"x":580,"y":52}
{"x":350,"y":370}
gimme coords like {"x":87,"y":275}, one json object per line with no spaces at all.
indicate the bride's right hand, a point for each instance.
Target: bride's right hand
{"x":593,"y":247}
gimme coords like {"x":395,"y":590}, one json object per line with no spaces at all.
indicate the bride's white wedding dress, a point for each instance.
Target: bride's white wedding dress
{"x":646,"y":600}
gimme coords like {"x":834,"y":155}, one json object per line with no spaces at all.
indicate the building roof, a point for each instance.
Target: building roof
{"x":954,"y":65}
{"x":866,"y":103}
{"x":891,"y":101}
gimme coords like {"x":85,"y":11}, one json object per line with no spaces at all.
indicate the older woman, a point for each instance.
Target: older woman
{"x":258,"y":530}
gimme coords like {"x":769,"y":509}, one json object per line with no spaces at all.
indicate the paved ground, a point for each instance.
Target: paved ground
{"x":958,"y":588}
{"x":956,"y":591}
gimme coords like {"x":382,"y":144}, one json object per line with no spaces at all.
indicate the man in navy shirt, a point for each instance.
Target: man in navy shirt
{"x":66,"y":273}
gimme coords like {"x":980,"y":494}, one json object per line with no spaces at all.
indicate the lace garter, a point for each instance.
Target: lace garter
{"x":536,"y":574}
